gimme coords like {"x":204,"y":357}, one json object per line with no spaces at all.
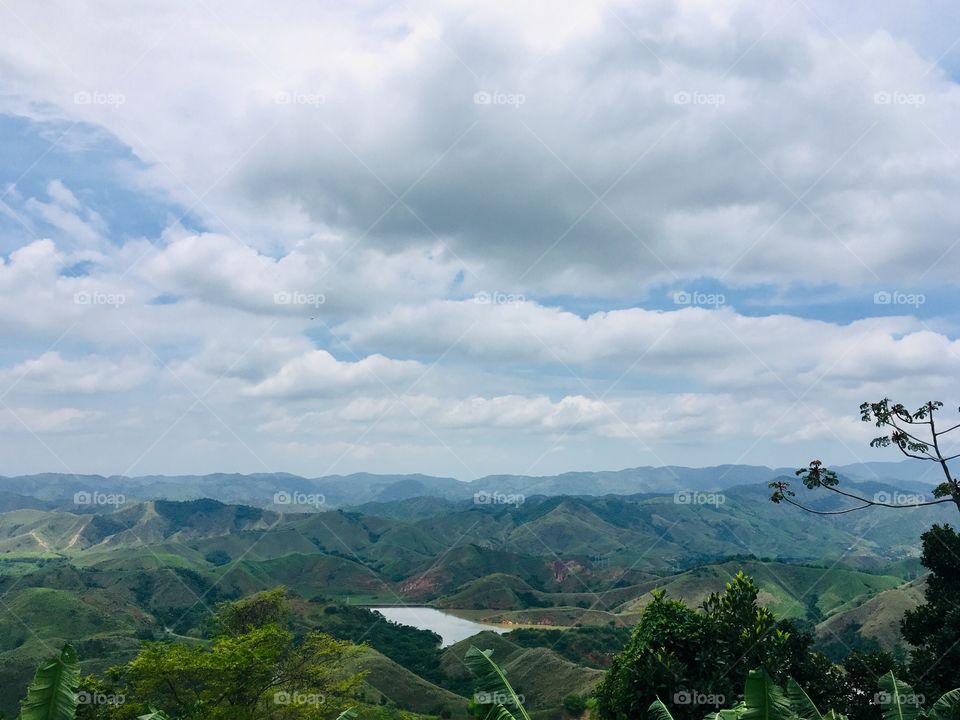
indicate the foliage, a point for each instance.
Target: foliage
{"x":933,"y":628}
{"x":914,"y":433}
{"x":52,"y":694}
{"x":591,"y":646}
{"x":254,"y":667}
{"x":415,"y":649}
{"x":694,"y":660}
{"x":575,"y":705}
{"x":494,"y":694}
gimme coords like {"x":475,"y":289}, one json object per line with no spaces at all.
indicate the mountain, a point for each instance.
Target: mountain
{"x":273,"y":490}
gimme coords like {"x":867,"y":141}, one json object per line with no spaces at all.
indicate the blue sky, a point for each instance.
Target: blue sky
{"x":472,"y":240}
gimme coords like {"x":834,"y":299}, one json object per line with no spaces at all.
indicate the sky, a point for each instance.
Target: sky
{"x":464,"y":238}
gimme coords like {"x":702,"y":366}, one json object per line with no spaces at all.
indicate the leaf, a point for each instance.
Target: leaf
{"x":53,"y":693}
{"x":897,"y":699}
{"x":348,"y":714}
{"x":802,"y":704}
{"x":492,"y":682}
{"x":947,"y":707}
{"x":765,"y":700}
{"x":659,"y":711}
{"x":499,"y":712}
{"x":155,"y":714}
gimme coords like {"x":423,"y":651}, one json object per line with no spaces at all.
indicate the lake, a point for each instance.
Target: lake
{"x":449,"y":627}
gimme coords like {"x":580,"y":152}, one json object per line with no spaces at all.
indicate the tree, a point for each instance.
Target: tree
{"x":697,"y":660}
{"x":915,"y":434}
{"x":253,"y":667}
{"x":933,"y":628}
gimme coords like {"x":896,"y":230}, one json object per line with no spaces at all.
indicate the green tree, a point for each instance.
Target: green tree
{"x":933,"y":628}
{"x":253,"y":667}
{"x":696,"y":661}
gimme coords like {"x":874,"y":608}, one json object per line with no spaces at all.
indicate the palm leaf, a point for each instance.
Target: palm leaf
{"x":764,"y":698}
{"x":499,"y":712}
{"x":348,"y":714}
{"x":53,"y":693}
{"x":947,"y":707}
{"x":897,"y":699}
{"x":155,"y":714}
{"x":491,"y":681}
{"x":802,"y":704}
{"x":659,"y":711}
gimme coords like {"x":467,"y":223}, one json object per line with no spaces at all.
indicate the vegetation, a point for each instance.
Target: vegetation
{"x":915,"y":434}
{"x":695,"y":659}
{"x":933,"y":628}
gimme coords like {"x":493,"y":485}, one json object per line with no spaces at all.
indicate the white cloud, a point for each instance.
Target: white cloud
{"x":319,"y":374}
{"x":52,"y":373}
{"x":342,"y":197}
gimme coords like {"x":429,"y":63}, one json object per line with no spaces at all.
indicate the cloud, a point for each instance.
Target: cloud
{"x":52,"y":373}
{"x":319,"y":374}
{"x":654,"y":143}
{"x":43,"y":422}
{"x":271,"y":254}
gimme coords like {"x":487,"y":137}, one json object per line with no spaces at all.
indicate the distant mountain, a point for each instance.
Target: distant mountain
{"x":270,"y":490}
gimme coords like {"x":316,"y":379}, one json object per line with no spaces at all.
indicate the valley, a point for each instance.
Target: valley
{"x":555,"y":583}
